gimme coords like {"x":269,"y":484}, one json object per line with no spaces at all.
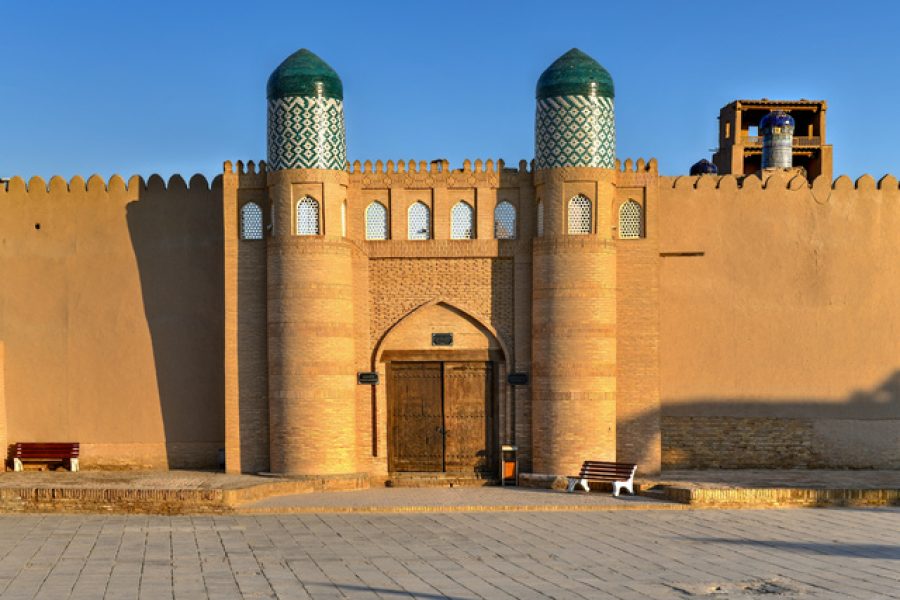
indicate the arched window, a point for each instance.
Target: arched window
{"x":540,"y":219}
{"x":419,"y":222}
{"x":579,"y":215}
{"x":307,"y":216}
{"x":461,"y":227}
{"x":505,"y":221}
{"x":344,"y":218}
{"x":376,"y":222}
{"x":631,"y":226}
{"x":251,"y":222}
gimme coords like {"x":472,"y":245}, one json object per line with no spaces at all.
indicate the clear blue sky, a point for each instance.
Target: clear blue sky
{"x":178,"y":87}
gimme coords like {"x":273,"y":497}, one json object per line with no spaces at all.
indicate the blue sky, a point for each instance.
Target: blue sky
{"x":178,"y":87}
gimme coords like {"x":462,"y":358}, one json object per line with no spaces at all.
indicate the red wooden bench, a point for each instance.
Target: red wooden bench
{"x":621,"y":475}
{"x":65,"y":452}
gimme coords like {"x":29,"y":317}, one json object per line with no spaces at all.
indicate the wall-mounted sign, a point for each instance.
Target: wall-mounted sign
{"x":441,"y":339}
{"x":517,"y":378}
{"x":367,"y":378}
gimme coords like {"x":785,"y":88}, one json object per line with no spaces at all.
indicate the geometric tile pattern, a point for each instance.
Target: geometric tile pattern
{"x":575,"y":131}
{"x":461,"y":222}
{"x":630,"y":226}
{"x":306,"y":132}
{"x":505,"y":221}
{"x":579,"y":215}
{"x":376,"y":222}
{"x":307,"y":216}
{"x":418,"y":222}
{"x":251,"y":222}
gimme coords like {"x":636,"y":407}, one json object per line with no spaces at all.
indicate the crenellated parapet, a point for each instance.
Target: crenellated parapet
{"x":57,"y":185}
{"x":778,"y":181}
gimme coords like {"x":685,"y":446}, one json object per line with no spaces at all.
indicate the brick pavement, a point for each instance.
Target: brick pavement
{"x":824,"y":553}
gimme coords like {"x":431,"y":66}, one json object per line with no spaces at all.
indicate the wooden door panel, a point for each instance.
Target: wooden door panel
{"x":416,"y":417}
{"x":467,"y":415}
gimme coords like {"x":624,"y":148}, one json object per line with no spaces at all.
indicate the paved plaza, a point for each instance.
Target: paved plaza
{"x":798,"y":553}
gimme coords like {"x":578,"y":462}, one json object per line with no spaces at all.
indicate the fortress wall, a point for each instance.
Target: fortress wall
{"x":637,"y":324}
{"x":111,"y":313}
{"x":3,"y":438}
{"x":246,"y":364}
{"x":780,"y":344}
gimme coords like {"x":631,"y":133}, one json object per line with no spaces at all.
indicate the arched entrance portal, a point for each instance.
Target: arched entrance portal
{"x":442,"y":402}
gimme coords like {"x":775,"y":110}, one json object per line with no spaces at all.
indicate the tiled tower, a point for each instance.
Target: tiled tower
{"x":310,"y":285}
{"x":574,"y":293}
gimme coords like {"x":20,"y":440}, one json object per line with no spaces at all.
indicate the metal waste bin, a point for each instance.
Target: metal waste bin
{"x":509,"y":465}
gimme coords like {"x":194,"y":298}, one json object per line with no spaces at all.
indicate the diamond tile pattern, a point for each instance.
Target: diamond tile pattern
{"x":306,"y":133}
{"x":575,"y":131}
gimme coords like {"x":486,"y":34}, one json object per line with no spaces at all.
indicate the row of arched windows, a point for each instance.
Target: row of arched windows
{"x":462,"y":220}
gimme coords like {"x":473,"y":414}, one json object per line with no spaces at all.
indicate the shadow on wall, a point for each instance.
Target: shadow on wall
{"x":861,"y":432}
{"x":176,"y":232}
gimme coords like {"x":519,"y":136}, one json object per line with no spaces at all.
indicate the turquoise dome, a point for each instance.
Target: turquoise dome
{"x":573,"y":74}
{"x":301,"y":74}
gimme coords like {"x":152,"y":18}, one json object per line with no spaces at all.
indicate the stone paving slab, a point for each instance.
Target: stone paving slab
{"x":822,"y":554}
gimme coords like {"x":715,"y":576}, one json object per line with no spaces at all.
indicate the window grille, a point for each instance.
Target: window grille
{"x":630,"y":221}
{"x":419,"y":222}
{"x":376,"y":222}
{"x":251,"y":222}
{"x":505,"y":221}
{"x":307,"y":217}
{"x":540,"y":219}
{"x":344,"y":218}
{"x":579,"y":216}
{"x":461,"y":221}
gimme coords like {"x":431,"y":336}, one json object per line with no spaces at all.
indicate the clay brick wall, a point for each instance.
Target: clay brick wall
{"x":779,"y":301}
{"x":111,"y":310}
{"x":3,"y":439}
{"x":637,"y":323}
{"x":481,"y":286}
{"x":736,"y":443}
{"x":246,"y":344}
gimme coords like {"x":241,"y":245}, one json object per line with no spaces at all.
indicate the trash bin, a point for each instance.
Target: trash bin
{"x":509,"y":465}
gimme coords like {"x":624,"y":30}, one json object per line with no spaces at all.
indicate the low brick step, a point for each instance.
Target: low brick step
{"x":444,"y":480}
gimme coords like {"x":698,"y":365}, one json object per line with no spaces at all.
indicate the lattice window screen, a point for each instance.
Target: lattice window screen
{"x":307,"y":217}
{"x":540,"y":219}
{"x":630,"y":221}
{"x":461,"y":222}
{"x":376,"y":222}
{"x":505,"y":221}
{"x":579,"y":216}
{"x":251,"y":222}
{"x":419,"y":222}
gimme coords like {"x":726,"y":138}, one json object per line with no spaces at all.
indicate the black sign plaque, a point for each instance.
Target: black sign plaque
{"x":441,"y":339}
{"x":367,"y":378}
{"x":517,"y":378}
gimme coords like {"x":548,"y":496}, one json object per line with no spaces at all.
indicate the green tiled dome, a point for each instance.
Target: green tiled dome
{"x":572,"y":75}
{"x":299,"y":75}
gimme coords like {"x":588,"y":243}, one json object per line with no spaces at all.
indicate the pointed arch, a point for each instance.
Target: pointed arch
{"x":481,"y":322}
{"x":462,"y":221}
{"x":631,"y":221}
{"x":251,"y":221}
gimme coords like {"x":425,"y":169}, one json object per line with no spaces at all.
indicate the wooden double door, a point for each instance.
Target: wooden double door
{"x":441,"y":416}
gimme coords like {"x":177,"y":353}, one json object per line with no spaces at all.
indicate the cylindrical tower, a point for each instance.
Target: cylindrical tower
{"x":312,"y":409}
{"x":575,"y":124}
{"x":574,"y":287}
{"x":777,"y":130}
